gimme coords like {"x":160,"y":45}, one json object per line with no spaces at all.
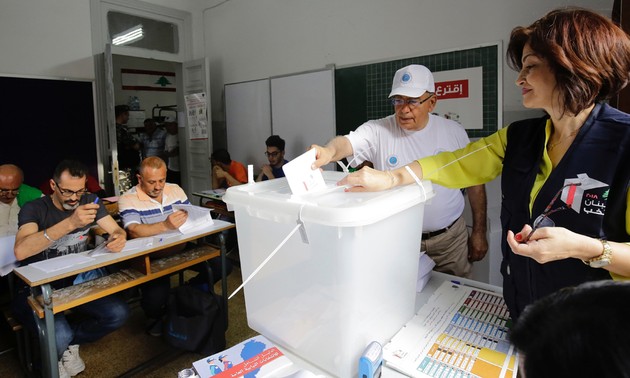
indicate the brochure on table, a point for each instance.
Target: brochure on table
{"x":254,"y":357}
{"x":460,"y":331}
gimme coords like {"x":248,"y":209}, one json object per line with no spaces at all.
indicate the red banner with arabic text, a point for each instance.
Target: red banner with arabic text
{"x":451,"y":89}
{"x":252,"y":364}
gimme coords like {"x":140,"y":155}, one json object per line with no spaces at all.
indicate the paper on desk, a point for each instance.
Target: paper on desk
{"x":130,"y":245}
{"x":197,"y":217}
{"x":139,"y":243}
{"x":165,"y":236}
{"x":425,"y":266}
{"x":61,"y":262}
{"x":100,"y":249}
{"x":301,"y":177}
{"x":214,"y":192}
{"x":7,"y":257}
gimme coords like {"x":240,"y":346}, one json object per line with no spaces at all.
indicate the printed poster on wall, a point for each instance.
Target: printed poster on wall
{"x":460,"y":95}
{"x":197,"y":115}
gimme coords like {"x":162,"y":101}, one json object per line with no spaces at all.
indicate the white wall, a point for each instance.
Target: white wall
{"x":255,"y":39}
{"x":46,"y":38}
{"x":53,"y":38}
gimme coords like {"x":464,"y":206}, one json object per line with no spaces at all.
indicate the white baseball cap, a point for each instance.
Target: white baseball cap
{"x":412,"y":81}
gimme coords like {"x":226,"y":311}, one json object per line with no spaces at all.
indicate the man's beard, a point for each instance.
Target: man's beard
{"x":67,"y":206}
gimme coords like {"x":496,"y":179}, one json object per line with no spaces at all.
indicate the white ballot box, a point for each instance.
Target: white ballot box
{"x":346,"y":279}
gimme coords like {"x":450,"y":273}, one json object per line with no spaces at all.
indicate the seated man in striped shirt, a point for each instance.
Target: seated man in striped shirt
{"x":147,"y":210}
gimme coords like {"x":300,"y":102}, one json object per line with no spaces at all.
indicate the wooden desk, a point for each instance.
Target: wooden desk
{"x":45,"y":302}
{"x":213,"y":199}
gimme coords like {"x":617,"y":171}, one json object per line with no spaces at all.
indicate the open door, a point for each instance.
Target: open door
{"x":108,"y":169}
{"x":195,"y":167}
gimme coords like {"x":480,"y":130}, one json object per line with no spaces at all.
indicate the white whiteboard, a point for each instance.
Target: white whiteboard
{"x":248,"y":121}
{"x":303,"y":110}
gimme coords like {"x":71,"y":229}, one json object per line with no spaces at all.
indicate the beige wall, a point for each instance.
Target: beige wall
{"x":46,"y":38}
{"x":255,"y":39}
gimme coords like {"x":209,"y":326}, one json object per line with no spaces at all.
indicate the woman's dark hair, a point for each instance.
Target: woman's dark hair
{"x":588,"y":53}
{"x":580,"y":331}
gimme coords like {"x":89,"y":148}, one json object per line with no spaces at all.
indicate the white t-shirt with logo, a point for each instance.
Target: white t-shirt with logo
{"x":389,"y":147}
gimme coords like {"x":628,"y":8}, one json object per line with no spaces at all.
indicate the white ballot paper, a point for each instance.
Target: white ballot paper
{"x":214,"y":193}
{"x":301,"y":177}
{"x":425,"y":266}
{"x":197,"y":217}
{"x":61,"y":262}
{"x":7,"y":257}
{"x":130,"y":245}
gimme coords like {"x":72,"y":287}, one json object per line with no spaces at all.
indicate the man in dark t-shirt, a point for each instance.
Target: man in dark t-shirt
{"x":275,"y":155}
{"x":58,"y":225}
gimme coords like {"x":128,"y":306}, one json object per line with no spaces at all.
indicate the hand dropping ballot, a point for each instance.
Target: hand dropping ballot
{"x":301,"y":177}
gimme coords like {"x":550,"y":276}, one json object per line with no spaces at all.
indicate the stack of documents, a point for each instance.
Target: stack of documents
{"x":198,"y":217}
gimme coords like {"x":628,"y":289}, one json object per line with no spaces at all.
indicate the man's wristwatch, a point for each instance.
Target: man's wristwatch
{"x":602,"y":260}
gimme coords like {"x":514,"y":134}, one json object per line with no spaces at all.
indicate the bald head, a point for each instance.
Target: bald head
{"x":152,"y":162}
{"x":11,"y":178}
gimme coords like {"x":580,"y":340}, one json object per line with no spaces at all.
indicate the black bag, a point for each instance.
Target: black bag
{"x":195,"y":320}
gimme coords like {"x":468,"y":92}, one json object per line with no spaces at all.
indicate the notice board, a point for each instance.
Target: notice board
{"x":299,"y":107}
{"x":303,"y":110}
{"x":248,"y":121}
{"x":361,"y":92}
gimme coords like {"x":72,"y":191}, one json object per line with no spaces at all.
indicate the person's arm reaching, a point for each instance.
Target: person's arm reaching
{"x":372,"y":180}
{"x":440,"y":168}
{"x":478,"y":242}
{"x":338,"y":148}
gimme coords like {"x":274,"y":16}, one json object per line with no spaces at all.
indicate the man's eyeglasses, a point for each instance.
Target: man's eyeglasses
{"x":412,"y":102}
{"x":69,"y":193}
{"x":9,"y":192}
{"x":543,"y":219}
{"x":272,"y":154}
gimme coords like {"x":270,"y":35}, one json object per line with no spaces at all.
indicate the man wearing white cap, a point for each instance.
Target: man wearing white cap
{"x":412,"y":132}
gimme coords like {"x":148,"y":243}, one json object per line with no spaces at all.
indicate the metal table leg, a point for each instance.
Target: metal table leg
{"x":224,"y":288}
{"x":46,"y":332}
